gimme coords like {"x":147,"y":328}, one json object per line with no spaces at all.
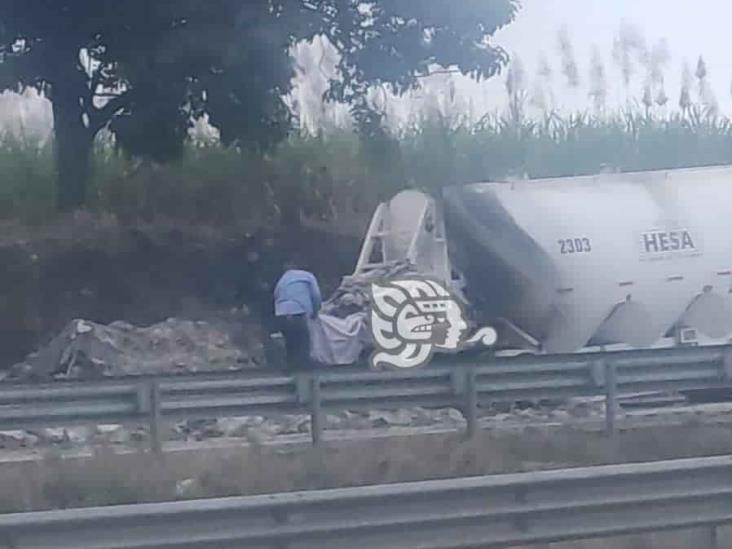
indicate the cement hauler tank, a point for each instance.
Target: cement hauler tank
{"x":619,"y":258}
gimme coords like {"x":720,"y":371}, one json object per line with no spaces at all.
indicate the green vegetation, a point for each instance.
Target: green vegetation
{"x":263,"y":174}
{"x":146,"y":71}
{"x":555,"y":146}
{"x":338,"y":175}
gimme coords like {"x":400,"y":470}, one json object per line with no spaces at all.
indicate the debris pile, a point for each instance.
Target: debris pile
{"x":353,"y":295}
{"x":87,"y":350}
{"x":259,"y":429}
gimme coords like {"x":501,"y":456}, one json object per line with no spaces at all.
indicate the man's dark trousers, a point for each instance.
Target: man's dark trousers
{"x":295,"y":330}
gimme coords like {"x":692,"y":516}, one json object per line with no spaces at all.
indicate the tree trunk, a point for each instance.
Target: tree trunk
{"x":73,"y":148}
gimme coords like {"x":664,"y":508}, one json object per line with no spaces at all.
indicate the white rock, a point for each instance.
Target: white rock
{"x":294,"y":424}
{"x":334,"y":421}
{"x":270,"y":428}
{"x":348,"y":420}
{"x":17,"y":439}
{"x":78,"y":435}
{"x":116,"y":434}
{"x":30,"y":440}
{"x":83,"y":328}
{"x":529,"y":414}
{"x":561,"y":415}
{"x":424,"y":417}
{"x":53,"y":434}
{"x":580,"y":409}
{"x":14,"y":434}
{"x":233,"y":426}
{"x":455,"y":416}
{"x":256,"y":436}
{"x":391,"y":418}
{"x":140,"y":434}
{"x":187,"y":487}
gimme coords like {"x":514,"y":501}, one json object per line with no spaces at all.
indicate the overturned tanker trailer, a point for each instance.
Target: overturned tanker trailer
{"x":607,"y":262}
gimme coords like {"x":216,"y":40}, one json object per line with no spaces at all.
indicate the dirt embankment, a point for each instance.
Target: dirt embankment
{"x":105,"y":272}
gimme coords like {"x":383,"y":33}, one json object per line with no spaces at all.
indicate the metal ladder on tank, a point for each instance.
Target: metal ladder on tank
{"x":427,"y":251}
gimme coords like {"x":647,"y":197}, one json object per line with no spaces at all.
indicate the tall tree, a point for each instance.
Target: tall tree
{"x":146,"y":69}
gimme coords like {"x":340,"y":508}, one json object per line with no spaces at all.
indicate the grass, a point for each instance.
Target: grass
{"x":108,"y":477}
{"x":26,"y":179}
{"x":334,"y":177}
{"x":111,"y":478}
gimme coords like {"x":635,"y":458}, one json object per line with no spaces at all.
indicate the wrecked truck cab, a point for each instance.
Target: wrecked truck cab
{"x":563,"y":265}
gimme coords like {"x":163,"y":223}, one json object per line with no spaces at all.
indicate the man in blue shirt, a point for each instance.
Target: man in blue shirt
{"x":296,"y":298}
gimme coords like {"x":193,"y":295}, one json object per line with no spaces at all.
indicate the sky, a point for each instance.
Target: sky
{"x":684,"y":30}
{"x":690,"y":29}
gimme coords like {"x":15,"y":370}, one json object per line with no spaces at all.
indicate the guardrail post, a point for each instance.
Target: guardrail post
{"x":143,"y":399}
{"x":521,"y":522}
{"x":521,"y":495}
{"x":316,"y":415}
{"x":471,"y":402}
{"x":727,"y":364}
{"x":154,"y":416}
{"x":712,"y":541}
{"x":281,"y":518}
{"x":302,"y":388}
{"x":611,"y":398}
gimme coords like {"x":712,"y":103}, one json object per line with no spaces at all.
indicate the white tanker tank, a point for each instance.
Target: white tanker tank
{"x":632,"y":259}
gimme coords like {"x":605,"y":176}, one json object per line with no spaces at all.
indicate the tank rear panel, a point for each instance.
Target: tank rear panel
{"x":620,"y":257}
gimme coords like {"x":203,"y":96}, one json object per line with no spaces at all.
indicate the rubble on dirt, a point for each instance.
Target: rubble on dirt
{"x":353,"y":295}
{"x":259,"y":429}
{"x":87,"y":350}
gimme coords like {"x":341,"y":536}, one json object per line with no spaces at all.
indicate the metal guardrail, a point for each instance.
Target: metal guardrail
{"x":466,"y":513}
{"x":464,"y":386}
